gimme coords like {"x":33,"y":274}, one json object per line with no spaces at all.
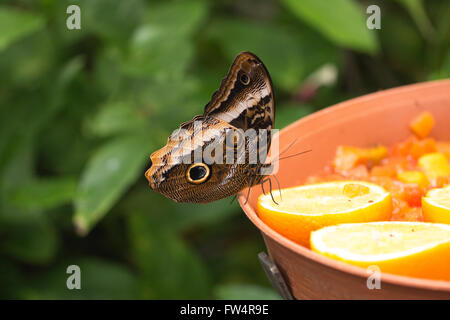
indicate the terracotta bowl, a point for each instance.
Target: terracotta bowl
{"x":381,"y":117}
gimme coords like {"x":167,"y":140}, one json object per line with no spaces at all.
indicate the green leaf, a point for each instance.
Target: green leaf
{"x":417,"y":11}
{"x":168,"y":266}
{"x":341,"y":21}
{"x":161,"y":47}
{"x":110,"y":171}
{"x":245,"y":292}
{"x":285,"y":67}
{"x":16,"y":24}
{"x":100,"y":279}
{"x":116,"y":117}
{"x":33,"y":240}
{"x":109,"y":19}
{"x":302,"y":52}
{"x":44,"y":193}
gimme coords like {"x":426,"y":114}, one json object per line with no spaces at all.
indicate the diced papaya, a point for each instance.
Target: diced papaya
{"x":444,"y":147}
{"x":403,"y":149}
{"x":360,"y":172}
{"x":399,"y":209}
{"x":434,"y":165}
{"x":412,"y":194}
{"x":384,"y":170}
{"x":415,"y":147}
{"x":422,"y":125}
{"x":417,"y":177}
{"x":349,"y":157}
{"x":421,"y":147}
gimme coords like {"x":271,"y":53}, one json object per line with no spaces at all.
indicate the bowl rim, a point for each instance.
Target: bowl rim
{"x":420,"y":283}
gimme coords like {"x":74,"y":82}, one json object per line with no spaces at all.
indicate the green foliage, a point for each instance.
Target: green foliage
{"x":81,"y":111}
{"x":245,"y":292}
{"x":342,"y":21}
{"x":16,"y":24}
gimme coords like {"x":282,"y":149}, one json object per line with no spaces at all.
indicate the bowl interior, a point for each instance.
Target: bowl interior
{"x":379,"y":118}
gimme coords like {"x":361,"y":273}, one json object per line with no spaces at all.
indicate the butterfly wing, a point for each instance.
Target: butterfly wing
{"x":244,"y":101}
{"x":205,"y":137}
{"x":245,"y":98}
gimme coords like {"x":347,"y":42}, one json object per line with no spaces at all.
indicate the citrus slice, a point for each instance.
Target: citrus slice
{"x":303,"y":209}
{"x":416,"y":249}
{"x":436,"y":205}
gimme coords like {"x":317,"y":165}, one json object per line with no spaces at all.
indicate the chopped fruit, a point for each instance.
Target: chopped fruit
{"x":413,"y":195}
{"x":349,"y":157}
{"x":415,"y":148}
{"x":436,"y":205}
{"x":310,"y":207}
{"x":421,"y":147}
{"x":352,"y":190}
{"x":434,"y":165}
{"x":444,"y":147}
{"x":414,"y":249}
{"x":422,"y":125}
{"x":417,"y":177}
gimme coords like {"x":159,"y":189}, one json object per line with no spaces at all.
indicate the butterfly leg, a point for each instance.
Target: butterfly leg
{"x":249,"y":187}
{"x":270,"y":187}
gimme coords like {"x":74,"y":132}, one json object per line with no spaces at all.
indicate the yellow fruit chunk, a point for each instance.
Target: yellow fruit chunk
{"x":422,"y":124}
{"x":436,"y":205}
{"x":310,"y":207}
{"x":348,"y":157}
{"x":434,"y":165}
{"x":417,"y":177}
{"x":352,"y":190}
{"x":444,"y":148}
{"x":415,"y":249}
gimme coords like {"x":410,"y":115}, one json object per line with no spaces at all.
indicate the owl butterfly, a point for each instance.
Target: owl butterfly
{"x":223,"y":151}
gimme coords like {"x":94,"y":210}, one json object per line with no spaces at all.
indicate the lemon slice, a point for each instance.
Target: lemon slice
{"x":436,"y":205}
{"x":416,"y":249}
{"x":303,"y":209}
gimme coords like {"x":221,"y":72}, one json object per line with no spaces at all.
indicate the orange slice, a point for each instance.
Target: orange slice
{"x":416,"y":249}
{"x":311,"y":207}
{"x":436,"y":205}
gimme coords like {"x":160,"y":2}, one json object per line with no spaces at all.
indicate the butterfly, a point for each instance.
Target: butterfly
{"x":213,"y":156}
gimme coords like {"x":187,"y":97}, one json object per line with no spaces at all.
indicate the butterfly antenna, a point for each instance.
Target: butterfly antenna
{"x":289,"y":146}
{"x":232,"y":199}
{"x":294,"y":155}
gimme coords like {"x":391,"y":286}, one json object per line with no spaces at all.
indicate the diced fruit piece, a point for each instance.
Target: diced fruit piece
{"x":422,"y":124}
{"x":348,"y":157}
{"x":434,"y":165}
{"x":413,"y":195}
{"x":444,"y":147}
{"x":417,"y":177}
{"x":352,"y":190}
{"x":421,"y":147}
{"x":415,"y":148}
{"x":310,"y":207}
{"x":415,"y":249}
{"x":436,"y":205}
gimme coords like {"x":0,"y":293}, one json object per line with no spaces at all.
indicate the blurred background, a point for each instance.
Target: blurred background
{"x":81,"y":111}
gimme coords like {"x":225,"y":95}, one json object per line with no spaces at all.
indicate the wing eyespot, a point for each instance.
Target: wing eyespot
{"x":245,"y":79}
{"x":197,"y":173}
